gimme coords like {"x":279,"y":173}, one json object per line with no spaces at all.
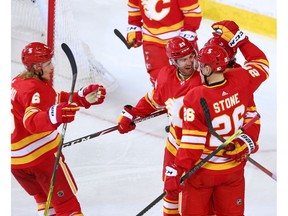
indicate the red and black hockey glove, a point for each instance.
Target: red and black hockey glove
{"x":191,"y":36}
{"x":125,"y":121}
{"x":134,"y":36}
{"x":230,"y":32}
{"x":240,"y":148}
{"x":63,"y":112}
{"x":91,"y":95}
{"x":172,"y":179}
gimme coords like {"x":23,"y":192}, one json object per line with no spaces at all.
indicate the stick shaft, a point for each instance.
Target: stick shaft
{"x":111,"y":129}
{"x":73,"y":65}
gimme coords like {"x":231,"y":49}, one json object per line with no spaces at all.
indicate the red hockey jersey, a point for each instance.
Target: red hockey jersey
{"x":163,"y":20}
{"x":227,"y":102}
{"x":168,"y":94}
{"x":34,"y":137}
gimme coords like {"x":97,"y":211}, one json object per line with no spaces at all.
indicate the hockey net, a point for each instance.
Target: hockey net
{"x":31,"y":21}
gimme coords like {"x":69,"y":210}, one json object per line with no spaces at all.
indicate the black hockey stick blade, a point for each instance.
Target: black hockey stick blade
{"x":122,"y":38}
{"x":72,"y":61}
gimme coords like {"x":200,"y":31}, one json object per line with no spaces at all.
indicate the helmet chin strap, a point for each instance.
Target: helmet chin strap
{"x":40,"y":74}
{"x":173,"y":61}
{"x":206,"y":77}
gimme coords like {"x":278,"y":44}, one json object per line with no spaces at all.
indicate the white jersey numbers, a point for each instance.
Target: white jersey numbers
{"x":252,"y":71}
{"x":36,"y":98}
{"x":189,"y":114}
{"x":13,"y":93}
{"x":223,"y":124}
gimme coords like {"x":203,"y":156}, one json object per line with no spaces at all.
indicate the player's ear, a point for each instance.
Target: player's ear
{"x":206,"y":70}
{"x":38,"y":67}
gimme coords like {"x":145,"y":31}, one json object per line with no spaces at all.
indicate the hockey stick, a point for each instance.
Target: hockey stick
{"x":201,"y":163}
{"x":269,"y":173}
{"x":122,"y":38}
{"x":71,"y":59}
{"x":108,"y":130}
{"x":214,"y":133}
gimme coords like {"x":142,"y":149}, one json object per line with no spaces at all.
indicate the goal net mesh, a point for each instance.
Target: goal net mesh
{"x":30,"y":23}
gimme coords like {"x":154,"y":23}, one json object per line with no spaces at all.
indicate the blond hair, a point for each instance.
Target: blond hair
{"x":29,"y":74}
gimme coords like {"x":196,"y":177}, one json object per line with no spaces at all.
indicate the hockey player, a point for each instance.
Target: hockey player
{"x":152,"y":23}
{"x":251,"y":106}
{"x":172,"y":84}
{"x":231,"y":51}
{"x":35,"y":138}
{"x":221,"y":179}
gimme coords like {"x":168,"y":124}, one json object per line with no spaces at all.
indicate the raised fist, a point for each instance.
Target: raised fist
{"x":134,"y":36}
{"x":91,"y":95}
{"x":230,"y":32}
{"x":63,"y":112}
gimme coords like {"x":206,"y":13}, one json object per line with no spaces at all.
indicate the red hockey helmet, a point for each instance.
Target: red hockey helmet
{"x":178,"y":47}
{"x":215,"y":56}
{"x":221,"y":42}
{"x":35,"y":53}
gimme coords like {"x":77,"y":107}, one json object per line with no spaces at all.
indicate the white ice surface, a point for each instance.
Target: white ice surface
{"x":119,"y":175}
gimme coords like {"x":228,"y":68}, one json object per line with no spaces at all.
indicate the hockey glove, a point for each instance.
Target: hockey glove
{"x":240,"y":148}
{"x":172,"y":180}
{"x":91,"y":95}
{"x":125,"y":121}
{"x":134,"y":36}
{"x":191,"y":37}
{"x":229,"y":31}
{"x":63,"y":112}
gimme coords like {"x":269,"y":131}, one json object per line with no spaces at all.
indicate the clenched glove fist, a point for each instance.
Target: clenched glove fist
{"x":125,"y":121}
{"x":229,"y":31}
{"x":172,"y":180}
{"x":63,"y":112}
{"x":134,"y":36}
{"x":240,"y":148}
{"x":91,"y":95}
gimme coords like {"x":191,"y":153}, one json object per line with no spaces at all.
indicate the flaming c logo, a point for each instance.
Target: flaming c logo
{"x":150,"y":9}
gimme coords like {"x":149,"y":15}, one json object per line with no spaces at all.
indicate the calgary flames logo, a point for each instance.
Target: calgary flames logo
{"x":155,"y":9}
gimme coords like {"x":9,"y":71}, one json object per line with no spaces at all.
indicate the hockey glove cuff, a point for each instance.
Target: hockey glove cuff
{"x":134,"y":35}
{"x":191,"y":37}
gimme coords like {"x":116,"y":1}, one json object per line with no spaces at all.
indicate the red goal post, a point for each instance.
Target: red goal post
{"x":52,"y":22}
